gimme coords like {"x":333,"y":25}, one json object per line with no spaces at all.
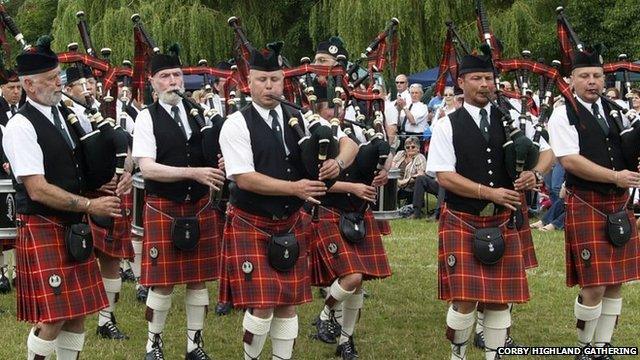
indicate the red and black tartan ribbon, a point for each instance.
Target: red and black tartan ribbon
{"x":566,"y":47}
{"x":531,"y":104}
{"x":141,"y":64}
{"x":448,"y":64}
{"x":90,"y":61}
{"x":201,"y":70}
{"x":621,"y":65}
{"x":3,"y":41}
{"x":113,"y":73}
{"x":539,"y":69}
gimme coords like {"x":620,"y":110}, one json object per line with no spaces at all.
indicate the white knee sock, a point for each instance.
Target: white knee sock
{"x":196,"y":302}
{"x":37,"y":346}
{"x":588,"y":315}
{"x":256,"y":330}
{"x":112,"y":287}
{"x":137,"y":256}
{"x":339,"y":294}
{"x":496,"y":323}
{"x":283,"y":333}
{"x":350,"y":311}
{"x":462,"y":324}
{"x":69,"y":345}
{"x":611,"y":309}
{"x":157,"y":308}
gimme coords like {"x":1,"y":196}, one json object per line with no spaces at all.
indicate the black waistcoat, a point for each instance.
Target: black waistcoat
{"x":347,"y":202}
{"x":477,"y":159}
{"x":172,"y":149}
{"x":62,"y":166}
{"x":604,"y":150}
{"x":269,"y":158}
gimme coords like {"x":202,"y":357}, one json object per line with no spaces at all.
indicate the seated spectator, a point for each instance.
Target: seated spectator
{"x":634,"y":95}
{"x":411,"y":164}
{"x":424,"y":184}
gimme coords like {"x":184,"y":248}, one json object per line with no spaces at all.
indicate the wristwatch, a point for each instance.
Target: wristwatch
{"x":539,"y":177}
{"x":340,"y":164}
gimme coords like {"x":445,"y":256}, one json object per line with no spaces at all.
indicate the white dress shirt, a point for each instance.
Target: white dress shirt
{"x":129,"y":123}
{"x":563,"y":136}
{"x":20,"y":143}
{"x":80,"y":114}
{"x":144,"y":140}
{"x":235,"y":140}
{"x":442,"y":155}
{"x":420,"y":112}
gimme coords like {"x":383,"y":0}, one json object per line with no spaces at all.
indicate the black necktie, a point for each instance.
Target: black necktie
{"x":404,"y":123}
{"x":601,"y":121}
{"x":176,"y":116}
{"x":13,"y":110}
{"x":484,"y":124}
{"x":275,"y":127}
{"x":58,"y":124}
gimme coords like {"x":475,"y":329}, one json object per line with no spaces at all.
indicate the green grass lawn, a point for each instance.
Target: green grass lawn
{"x":401,"y":320}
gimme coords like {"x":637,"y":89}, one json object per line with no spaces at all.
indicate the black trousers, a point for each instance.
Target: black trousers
{"x":425,"y":184}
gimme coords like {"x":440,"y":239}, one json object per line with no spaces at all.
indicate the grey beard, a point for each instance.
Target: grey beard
{"x":170,"y":97}
{"x":52,"y":99}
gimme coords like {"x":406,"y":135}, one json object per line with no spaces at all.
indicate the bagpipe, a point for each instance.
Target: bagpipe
{"x":144,"y":48}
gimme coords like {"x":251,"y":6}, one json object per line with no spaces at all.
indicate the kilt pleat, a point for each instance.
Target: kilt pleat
{"x":43,"y":267}
{"x":526,"y":238}
{"x":461,"y":277}
{"x":384,"y":227}
{"x":162,"y":263}
{"x":591,"y":260}
{"x":117,"y":242}
{"x":331,"y":256}
{"x":245,"y":247}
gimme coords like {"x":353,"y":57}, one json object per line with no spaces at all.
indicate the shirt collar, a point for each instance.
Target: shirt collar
{"x":45,"y":110}
{"x":264,"y":112}
{"x":588,"y":105}
{"x":474,"y":111}
{"x":167,"y":107}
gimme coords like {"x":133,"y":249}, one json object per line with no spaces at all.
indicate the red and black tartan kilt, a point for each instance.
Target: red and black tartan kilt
{"x":117,"y":242}
{"x":461,"y":277}
{"x":162,"y":263}
{"x":245,"y":248}
{"x":384,"y":226}
{"x":44,"y":268}
{"x":332,"y":256}
{"x":591,"y":260}
{"x":526,"y":238}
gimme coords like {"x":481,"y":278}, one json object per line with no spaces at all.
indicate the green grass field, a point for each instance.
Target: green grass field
{"x":401,"y":320}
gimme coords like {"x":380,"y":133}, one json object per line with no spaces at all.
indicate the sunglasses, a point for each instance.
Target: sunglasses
{"x":448,"y":95}
{"x":401,"y":82}
{"x":410,"y":147}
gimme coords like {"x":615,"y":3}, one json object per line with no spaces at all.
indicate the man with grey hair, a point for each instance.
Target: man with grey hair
{"x":414,"y":117}
{"x":56,"y":289}
{"x":181,"y":242}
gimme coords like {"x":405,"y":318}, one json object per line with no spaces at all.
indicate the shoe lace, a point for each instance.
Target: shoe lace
{"x":157,"y":347}
{"x":349,"y":347}
{"x":200,"y":354}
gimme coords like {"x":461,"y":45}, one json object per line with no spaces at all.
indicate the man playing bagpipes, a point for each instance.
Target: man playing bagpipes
{"x":58,"y":279}
{"x":347,"y":246}
{"x":601,"y":243}
{"x":265,"y":264}
{"x":479,"y":257}
{"x":11,"y":94}
{"x":180,"y":243}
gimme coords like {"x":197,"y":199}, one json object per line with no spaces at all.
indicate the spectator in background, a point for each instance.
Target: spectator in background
{"x":413,"y":118}
{"x":613,"y":94}
{"x":411,"y":164}
{"x":553,"y":219}
{"x":436,"y":101}
{"x":198,"y":97}
{"x":448,"y":105}
{"x":635,"y":99}
{"x":402,"y":85}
